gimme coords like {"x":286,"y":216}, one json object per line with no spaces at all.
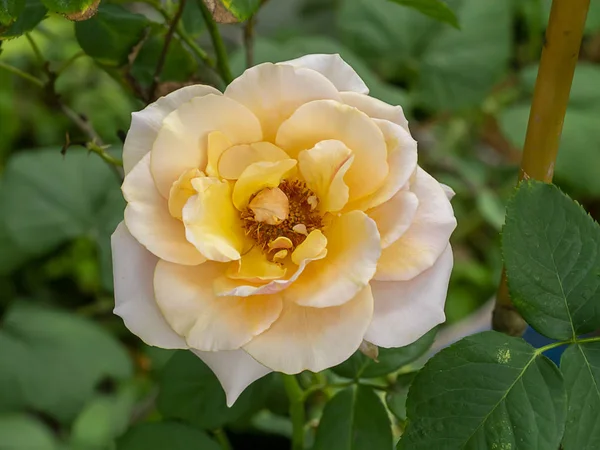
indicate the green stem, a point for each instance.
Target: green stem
{"x":296,"y":397}
{"x":219,"y":45}
{"x":548,"y":108}
{"x":36,"y":49}
{"x":22,"y":74}
{"x":69,"y":61}
{"x":100,"y":151}
{"x":199,"y":52}
{"x":541,"y":350}
{"x":221,"y":438}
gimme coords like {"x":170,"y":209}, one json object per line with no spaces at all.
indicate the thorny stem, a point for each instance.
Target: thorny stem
{"x":163,"y":54}
{"x":550,"y":99}
{"x":297,"y":414}
{"x":219,"y":45}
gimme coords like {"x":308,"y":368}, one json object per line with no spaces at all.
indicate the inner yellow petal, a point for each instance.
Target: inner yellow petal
{"x":258,"y":176}
{"x":235,"y":159}
{"x":323,"y":168}
{"x":217,"y":144}
{"x":314,"y":245}
{"x":212,"y":223}
{"x":254,"y":267}
{"x":181,"y":191}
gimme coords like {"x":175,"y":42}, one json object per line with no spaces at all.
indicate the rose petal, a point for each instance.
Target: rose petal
{"x":323,"y":168}
{"x":338,"y":71}
{"x":148,"y":219}
{"x":353,"y":249}
{"x":181,"y":143}
{"x":422,"y":244}
{"x":254,"y":267}
{"x":211,"y":222}
{"x":185,"y":296}
{"x":236,"y":159}
{"x":375,"y":108}
{"x":395,"y":216}
{"x":146,"y":123}
{"x":448,"y":190}
{"x":181,"y":191}
{"x":258,"y":176}
{"x":406,"y":310}
{"x":133,"y":268}
{"x":235,"y":369}
{"x":313,"y":339}
{"x":273,"y":92}
{"x":402,"y":161}
{"x":217,"y":143}
{"x":308,"y":251}
{"x":326,"y":119}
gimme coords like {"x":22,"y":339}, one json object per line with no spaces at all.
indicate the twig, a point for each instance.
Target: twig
{"x":36,"y":49}
{"x":163,"y":54}
{"x":69,"y":61}
{"x":81,"y":122}
{"x":249,"y":41}
{"x":22,"y":74}
{"x":550,"y":100}
{"x":219,"y":45}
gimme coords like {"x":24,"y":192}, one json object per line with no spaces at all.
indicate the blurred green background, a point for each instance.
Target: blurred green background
{"x":71,"y":375}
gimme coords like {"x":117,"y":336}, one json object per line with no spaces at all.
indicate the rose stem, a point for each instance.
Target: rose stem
{"x":548,"y":108}
{"x":219,"y":45}
{"x":296,"y":397}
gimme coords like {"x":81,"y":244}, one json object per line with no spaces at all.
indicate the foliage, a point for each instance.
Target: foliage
{"x":464,"y":71}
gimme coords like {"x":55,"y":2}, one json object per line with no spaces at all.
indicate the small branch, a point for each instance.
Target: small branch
{"x":297,"y":414}
{"x":69,"y":61}
{"x":199,"y":52}
{"x":36,"y":49}
{"x":550,"y":100}
{"x":222,"y":439}
{"x":22,"y":74}
{"x":81,"y":122}
{"x":249,"y":41}
{"x":219,"y":45}
{"x":163,"y":54}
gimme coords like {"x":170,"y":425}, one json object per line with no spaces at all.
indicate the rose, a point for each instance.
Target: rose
{"x":279,"y":225}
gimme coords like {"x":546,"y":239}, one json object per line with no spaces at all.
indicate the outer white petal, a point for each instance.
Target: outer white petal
{"x":146,"y":123}
{"x":186,"y":299}
{"x":273,"y":92}
{"x":315,"y":339}
{"x":375,"y":108}
{"x":448,"y":190}
{"x":422,"y":244}
{"x":235,"y":369}
{"x":133,"y":268}
{"x":149,"y":221}
{"x":395,"y":216}
{"x":406,"y":310}
{"x":339,"y":72}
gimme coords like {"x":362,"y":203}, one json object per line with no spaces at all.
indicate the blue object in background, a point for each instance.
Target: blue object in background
{"x":537,"y":340}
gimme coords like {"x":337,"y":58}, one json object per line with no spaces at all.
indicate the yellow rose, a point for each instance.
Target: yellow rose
{"x":276,"y":226}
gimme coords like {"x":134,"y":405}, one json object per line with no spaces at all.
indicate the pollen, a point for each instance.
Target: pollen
{"x":301,"y":219}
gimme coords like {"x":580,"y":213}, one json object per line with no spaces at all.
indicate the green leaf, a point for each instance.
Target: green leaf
{"x":487,"y":391}
{"x":10,"y":10}
{"x":191,"y":392}
{"x":109,"y":36}
{"x":578,"y":157}
{"x":390,"y":359}
{"x":32,"y":14}
{"x":56,"y":361}
{"x":242,"y":9}
{"x":580,"y":365}
{"x":355,"y":419}
{"x":77,"y":195}
{"x":69,"y":6}
{"x":447,"y":69}
{"x":165,"y":435}
{"x":179,"y":65}
{"x":552,"y":254}
{"x":436,"y":9}
{"x":20,"y":432}
{"x":103,"y":419}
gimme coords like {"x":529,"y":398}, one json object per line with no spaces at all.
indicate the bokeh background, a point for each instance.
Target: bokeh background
{"x":71,"y":375}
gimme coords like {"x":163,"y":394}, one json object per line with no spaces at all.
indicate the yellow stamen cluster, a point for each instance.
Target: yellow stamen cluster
{"x":301,"y":219}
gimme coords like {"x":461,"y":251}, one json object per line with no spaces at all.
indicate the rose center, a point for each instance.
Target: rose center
{"x":279,"y":219}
